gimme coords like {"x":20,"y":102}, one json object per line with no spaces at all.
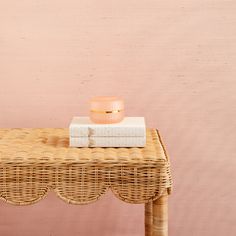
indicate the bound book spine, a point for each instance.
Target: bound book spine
{"x":107,"y":141}
{"x":104,"y":131}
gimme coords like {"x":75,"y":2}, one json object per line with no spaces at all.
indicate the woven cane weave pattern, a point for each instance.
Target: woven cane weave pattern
{"x":34,"y":161}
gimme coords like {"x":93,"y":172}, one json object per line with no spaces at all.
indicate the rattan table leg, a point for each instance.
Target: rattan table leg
{"x":148,"y":219}
{"x":160,"y":216}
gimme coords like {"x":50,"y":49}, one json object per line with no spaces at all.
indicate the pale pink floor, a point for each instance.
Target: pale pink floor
{"x":174,"y":62}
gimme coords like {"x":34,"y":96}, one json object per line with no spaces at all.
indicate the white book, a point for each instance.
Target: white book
{"x":129,"y":126}
{"x":108,"y":141}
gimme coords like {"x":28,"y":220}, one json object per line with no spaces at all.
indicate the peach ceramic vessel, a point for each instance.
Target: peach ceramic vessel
{"x":106,"y":110}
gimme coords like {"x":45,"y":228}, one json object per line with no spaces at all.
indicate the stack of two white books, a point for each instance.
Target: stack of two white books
{"x":131,"y":132}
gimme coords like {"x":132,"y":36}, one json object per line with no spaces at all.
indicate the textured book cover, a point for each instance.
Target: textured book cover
{"x":108,"y":141}
{"x":130,"y":126}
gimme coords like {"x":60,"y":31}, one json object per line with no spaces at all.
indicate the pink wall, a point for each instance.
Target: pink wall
{"x":174,"y":62}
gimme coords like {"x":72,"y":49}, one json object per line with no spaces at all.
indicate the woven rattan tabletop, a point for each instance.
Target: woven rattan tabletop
{"x":34,"y":161}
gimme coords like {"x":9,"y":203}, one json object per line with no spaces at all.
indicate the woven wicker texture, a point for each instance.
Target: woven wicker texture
{"x":34,"y":161}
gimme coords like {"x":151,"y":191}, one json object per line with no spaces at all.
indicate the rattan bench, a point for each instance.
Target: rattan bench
{"x":35,"y":161}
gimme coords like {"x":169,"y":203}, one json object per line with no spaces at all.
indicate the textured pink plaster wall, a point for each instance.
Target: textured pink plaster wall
{"x":174,"y":62}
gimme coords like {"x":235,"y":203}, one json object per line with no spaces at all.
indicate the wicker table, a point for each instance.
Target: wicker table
{"x":34,"y":161}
